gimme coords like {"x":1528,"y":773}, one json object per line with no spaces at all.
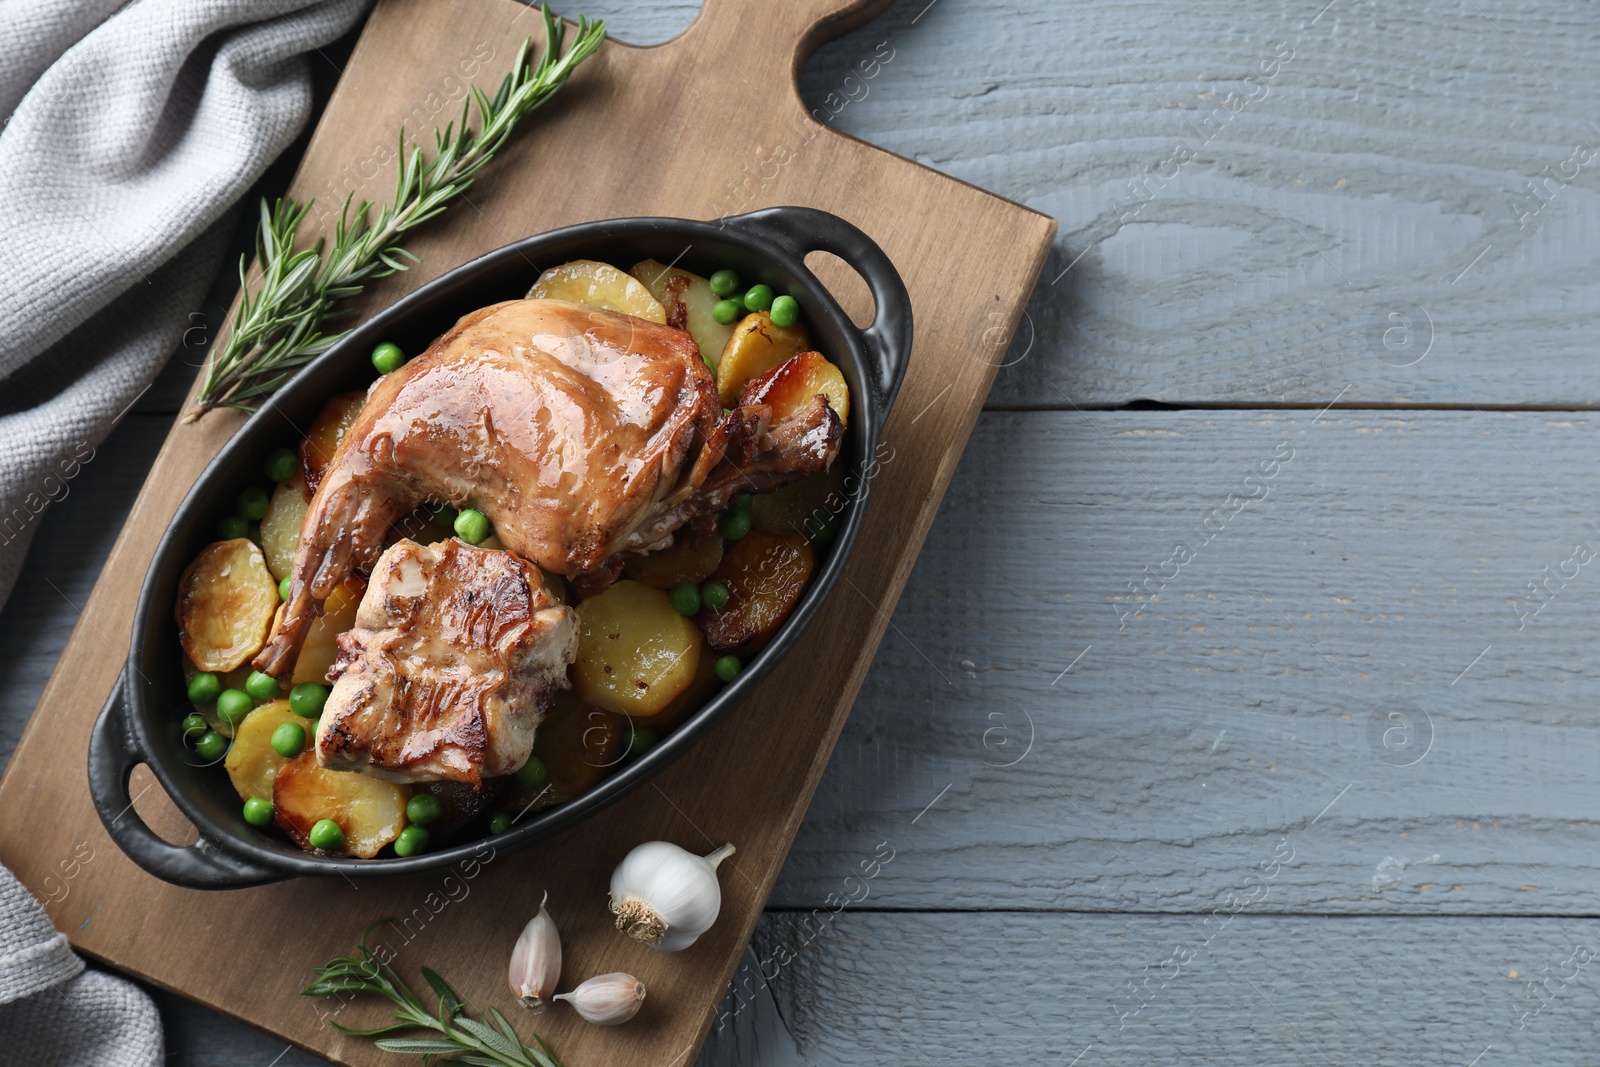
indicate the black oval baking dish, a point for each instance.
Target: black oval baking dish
{"x":140,"y":722}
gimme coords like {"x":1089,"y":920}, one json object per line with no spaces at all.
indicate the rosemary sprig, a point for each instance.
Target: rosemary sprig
{"x":279,"y":327}
{"x":461,"y":1038}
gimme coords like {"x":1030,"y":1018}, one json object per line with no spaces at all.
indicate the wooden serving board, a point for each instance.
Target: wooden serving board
{"x":706,"y":125}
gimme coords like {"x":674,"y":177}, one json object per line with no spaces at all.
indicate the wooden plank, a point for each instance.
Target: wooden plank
{"x":563,"y":174}
{"x":1209,"y":295}
{"x":1358,"y":183}
{"x":1262,"y":991}
{"x":1392,"y":552}
{"x":912,"y":988}
{"x":1374,"y":488}
{"x":1181,"y":748}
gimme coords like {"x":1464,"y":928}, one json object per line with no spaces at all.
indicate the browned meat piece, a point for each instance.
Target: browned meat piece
{"x":454,"y":658}
{"x":747,"y":454}
{"x":580,"y":433}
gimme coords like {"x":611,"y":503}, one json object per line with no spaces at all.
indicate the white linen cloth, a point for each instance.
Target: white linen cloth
{"x":130,"y":131}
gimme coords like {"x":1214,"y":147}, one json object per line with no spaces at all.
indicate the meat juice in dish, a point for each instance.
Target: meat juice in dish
{"x":480,"y":587}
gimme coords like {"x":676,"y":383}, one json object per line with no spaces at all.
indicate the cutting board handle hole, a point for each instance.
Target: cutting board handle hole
{"x":847,"y":286}
{"x":641,"y":25}
{"x":151,"y":803}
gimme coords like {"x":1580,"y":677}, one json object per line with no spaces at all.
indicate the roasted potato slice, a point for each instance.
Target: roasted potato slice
{"x":679,"y":562}
{"x":327,"y":430}
{"x":252,"y":763}
{"x":765,"y":574}
{"x":791,"y":509}
{"x":370,"y":812}
{"x":587,"y":281}
{"x":280,"y":526}
{"x":226,"y":600}
{"x":579,"y":745}
{"x":791,"y":386}
{"x":756,"y":347}
{"x":321,"y":646}
{"x":635,"y":652}
{"x":461,"y":805}
{"x":705,"y":683}
{"x":688,"y":300}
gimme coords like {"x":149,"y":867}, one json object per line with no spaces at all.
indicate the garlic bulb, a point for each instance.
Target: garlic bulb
{"x":536,"y":959}
{"x":666,"y":896}
{"x":607,"y":999}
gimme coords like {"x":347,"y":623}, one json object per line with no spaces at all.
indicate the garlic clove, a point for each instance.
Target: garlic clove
{"x":607,"y":999}
{"x":666,"y":896}
{"x":536,"y":959}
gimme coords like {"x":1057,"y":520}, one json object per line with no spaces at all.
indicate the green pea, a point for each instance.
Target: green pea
{"x":195,"y":725}
{"x":499,"y":823}
{"x":423,"y":809}
{"x":743,"y":501}
{"x":232,"y":527}
{"x":444,"y":515}
{"x":685,"y":596}
{"x":785,"y":311}
{"x":283,"y":588}
{"x":388,"y":358}
{"x":724,"y":283}
{"x":643,"y":740}
{"x":326,"y":835}
{"x":233,"y":705}
{"x":472,"y":526}
{"x":412,"y":840}
{"x":714,"y":595}
{"x":211,"y":746}
{"x":727,"y":312}
{"x":203,"y":688}
{"x":728,"y":668}
{"x":307,"y":698}
{"x":258,"y":812}
{"x":252,"y":503}
{"x":532,"y":774}
{"x":281,"y":464}
{"x":735,"y":524}
{"x":289,"y":740}
{"x":758,"y":298}
{"x":262,"y":686}
{"x":821,"y":525}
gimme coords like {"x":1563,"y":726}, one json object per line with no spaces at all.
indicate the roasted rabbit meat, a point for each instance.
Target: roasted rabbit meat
{"x":581,"y":433}
{"x":455,"y":656}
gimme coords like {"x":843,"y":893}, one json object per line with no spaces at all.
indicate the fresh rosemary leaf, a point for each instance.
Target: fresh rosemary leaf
{"x":449,"y":1000}
{"x":388,"y":1028}
{"x":490,"y":1037}
{"x":500,"y":1021}
{"x":278,"y":327}
{"x":419,"y":1046}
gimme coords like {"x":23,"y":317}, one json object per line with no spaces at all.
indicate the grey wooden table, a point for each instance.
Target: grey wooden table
{"x":1242,"y":707}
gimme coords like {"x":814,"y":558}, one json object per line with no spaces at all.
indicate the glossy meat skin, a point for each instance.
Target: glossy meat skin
{"x":581,"y":434}
{"x":454,"y":658}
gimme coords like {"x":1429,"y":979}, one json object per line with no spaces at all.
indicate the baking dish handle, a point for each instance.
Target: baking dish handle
{"x":801,"y":230}
{"x":113,"y":753}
